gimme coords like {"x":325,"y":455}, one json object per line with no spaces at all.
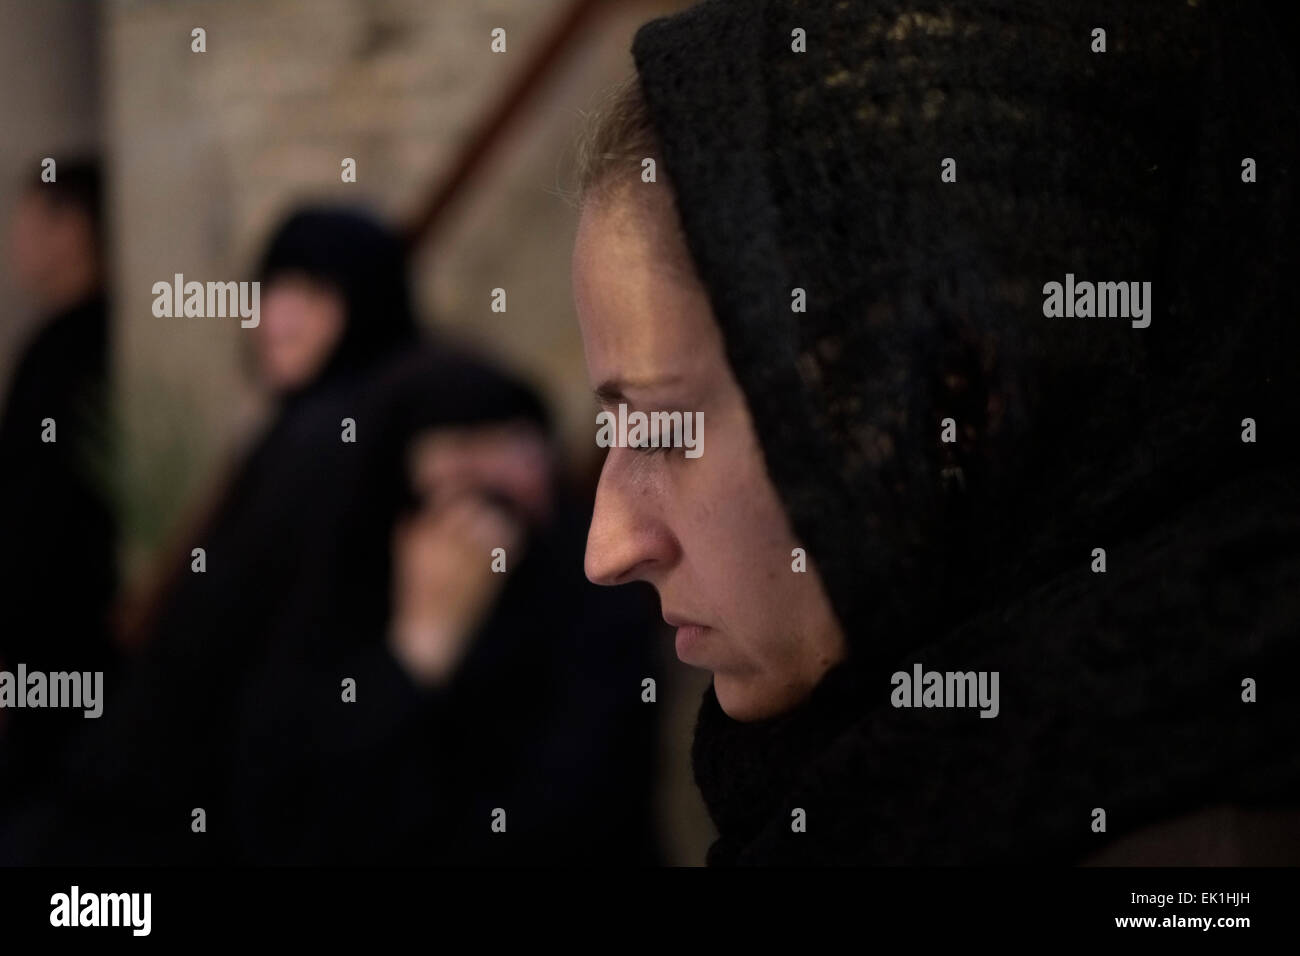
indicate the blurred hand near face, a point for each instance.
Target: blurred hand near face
{"x":481,"y":489}
{"x":511,"y":461}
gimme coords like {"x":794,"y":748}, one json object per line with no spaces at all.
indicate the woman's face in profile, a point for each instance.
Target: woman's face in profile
{"x":709,"y":533}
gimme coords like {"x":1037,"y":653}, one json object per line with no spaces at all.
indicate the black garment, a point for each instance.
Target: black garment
{"x":162,"y":747}
{"x":1121,"y":691}
{"x":58,"y":534}
{"x":129,"y":784}
{"x":821,"y":170}
{"x":543,"y":719}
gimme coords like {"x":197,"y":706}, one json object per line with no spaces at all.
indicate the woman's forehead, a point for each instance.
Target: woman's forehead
{"x":640,"y":321}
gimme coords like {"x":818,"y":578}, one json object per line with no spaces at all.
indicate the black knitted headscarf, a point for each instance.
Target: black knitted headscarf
{"x":821,"y":170}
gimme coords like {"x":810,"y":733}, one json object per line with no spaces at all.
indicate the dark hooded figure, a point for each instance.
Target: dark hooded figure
{"x":993,"y":549}
{"x":58,"y":535}
{"x":537,"y":747}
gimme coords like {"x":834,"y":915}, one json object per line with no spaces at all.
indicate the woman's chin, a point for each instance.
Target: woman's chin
{"x":745,"y":698}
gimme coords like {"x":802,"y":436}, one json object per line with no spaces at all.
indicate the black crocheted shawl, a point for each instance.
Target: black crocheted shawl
{"x":806,"y":142}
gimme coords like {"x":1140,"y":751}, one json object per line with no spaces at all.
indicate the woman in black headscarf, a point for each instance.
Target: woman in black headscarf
{"x":919,"y":463}
{"x":420,"y":703}
{"x":335,"y":310}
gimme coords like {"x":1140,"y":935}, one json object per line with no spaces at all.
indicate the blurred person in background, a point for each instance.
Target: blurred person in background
{"x":490,"y":685}
{"x":58,"y":569}
{"x":299,"y":571}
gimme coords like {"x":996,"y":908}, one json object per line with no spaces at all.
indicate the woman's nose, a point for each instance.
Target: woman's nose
{"x":628,"y":539}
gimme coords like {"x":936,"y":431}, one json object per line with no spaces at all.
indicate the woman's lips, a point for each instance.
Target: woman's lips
{"x":690,"y":638}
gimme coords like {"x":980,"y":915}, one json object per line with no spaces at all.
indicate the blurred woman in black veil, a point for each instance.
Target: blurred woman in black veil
{"x":509,"y":696}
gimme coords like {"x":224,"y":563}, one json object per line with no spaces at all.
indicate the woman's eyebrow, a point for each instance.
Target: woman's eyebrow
{"x":614,"y":391}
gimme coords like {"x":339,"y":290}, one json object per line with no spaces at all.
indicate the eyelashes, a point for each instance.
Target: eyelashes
{"x":650,"y":433}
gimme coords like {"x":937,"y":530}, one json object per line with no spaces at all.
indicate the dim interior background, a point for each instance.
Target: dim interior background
{"x":204,"y":151}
